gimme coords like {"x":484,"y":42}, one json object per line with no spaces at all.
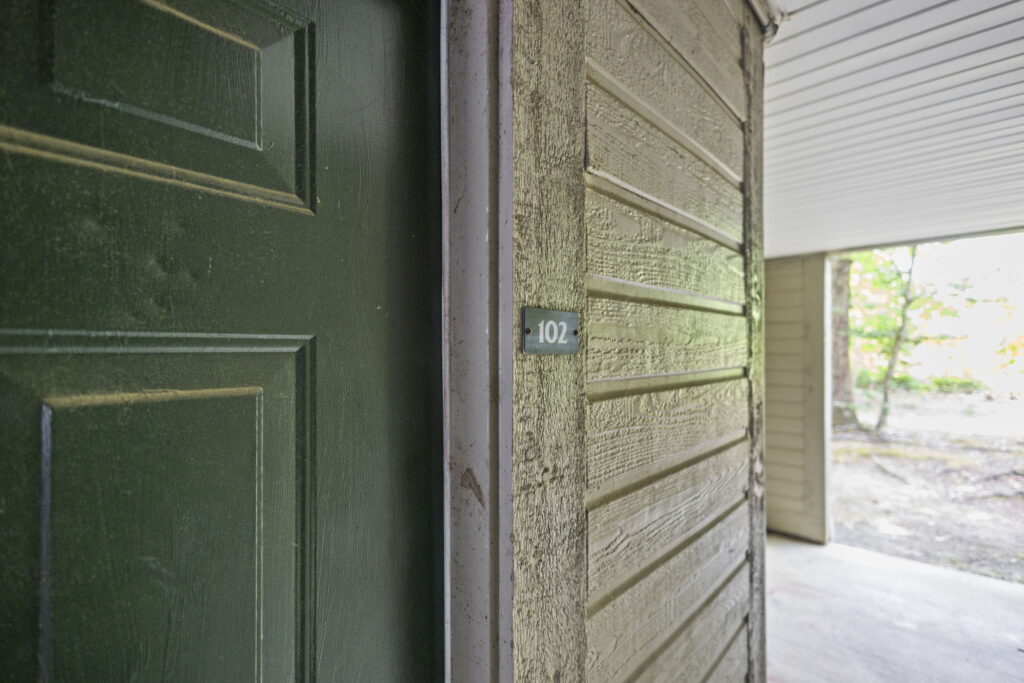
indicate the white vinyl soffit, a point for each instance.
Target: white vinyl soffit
{"x":893,"y":121}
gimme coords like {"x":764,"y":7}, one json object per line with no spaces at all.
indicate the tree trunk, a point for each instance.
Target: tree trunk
{"x":897,"y":344}
{"x":843,"y":409}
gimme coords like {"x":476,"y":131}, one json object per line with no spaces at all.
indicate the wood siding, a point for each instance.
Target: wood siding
{"x":797,"y":380}
{"x":548,"y":514}
{"x":674,"y":515}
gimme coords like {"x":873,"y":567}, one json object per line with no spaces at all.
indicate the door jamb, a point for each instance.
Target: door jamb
{"x":477,"y":337}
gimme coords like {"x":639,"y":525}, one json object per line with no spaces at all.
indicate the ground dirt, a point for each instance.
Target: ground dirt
{"x":943,"y":484}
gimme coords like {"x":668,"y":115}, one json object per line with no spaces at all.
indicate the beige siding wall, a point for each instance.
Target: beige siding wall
{"x":797,"y":396}
{"x":548,"y":518}
{"x":671,"y":588}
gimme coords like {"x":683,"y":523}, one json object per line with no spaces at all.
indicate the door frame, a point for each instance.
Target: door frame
{"x":477,"y":337}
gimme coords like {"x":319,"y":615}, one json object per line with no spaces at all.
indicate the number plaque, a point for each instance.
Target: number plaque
{"x":547,"y":331}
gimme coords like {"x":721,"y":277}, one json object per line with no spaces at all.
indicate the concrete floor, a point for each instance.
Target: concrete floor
{"x":839,"y":614}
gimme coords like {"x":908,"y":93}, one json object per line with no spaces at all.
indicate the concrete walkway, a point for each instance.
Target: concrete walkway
{"x":839,"y":614}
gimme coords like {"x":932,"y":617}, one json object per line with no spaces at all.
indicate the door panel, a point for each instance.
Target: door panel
{"x":219,"y":341}
{"x":165,"y":516}
{"x":211,"y":95}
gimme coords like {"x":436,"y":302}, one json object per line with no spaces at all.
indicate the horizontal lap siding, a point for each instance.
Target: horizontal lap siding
{"x":732,"y":667}
{"x":668,"y":453}
{"x":695,"y":651}
{"x":780,"y":487}
{"x":784,"y":410}
{"x":784,"y":395}
{"x":636,"y":55}
{"x":708,"y":37}
{"x":788,"y":425}
{"x":779,"y":509}
{"x":792,"y":442}
{"x":631,"y":433}
{"x":641,"y":623}
{"x":788,"y":472}
{"x":795,"y":405}
{"x":622,"y":145}
{"x":628,"y":244}
{"x":627,"y":535}
{"x":628,"y":339}
{"x":785,"y":356}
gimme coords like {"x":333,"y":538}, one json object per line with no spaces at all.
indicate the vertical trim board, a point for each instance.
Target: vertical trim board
{"x":753,"y":222}
{"x":548,"y":461}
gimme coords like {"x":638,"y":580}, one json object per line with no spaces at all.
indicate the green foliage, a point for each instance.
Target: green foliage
{"x":957,"y":385}
{"x":907,"y":383}
{"x":895,"y":308}
{"x":868,"y":379}
{"x":1011,"y":350}
{"x":878,"y":293}
{"x":877,"y":283}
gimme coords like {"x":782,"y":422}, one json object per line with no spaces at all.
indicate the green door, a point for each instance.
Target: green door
{"x":219,"y":340}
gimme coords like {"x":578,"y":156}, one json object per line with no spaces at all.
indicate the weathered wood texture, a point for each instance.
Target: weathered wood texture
{"x":734,"y":664}
{"x":707,"y":35}
{"x":634,"y":54}
{"x":647,"y":431}
{"x":548,"y":469}
{"x":630,"y":534}
{"x":753,"y":216}
{"x":628,"y":339}
{"x":648,"y":617}
{"x":694,"y":653}
{"x":629,"y":244}
{"x":672,"y":341}
{"x":797,"y":376}
{"x":623,"y":145}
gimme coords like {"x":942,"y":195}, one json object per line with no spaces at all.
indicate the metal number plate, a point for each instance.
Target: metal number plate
{"x":546,"y":331}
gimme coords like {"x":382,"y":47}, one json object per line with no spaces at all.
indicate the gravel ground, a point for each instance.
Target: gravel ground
{"x":944,"y":484}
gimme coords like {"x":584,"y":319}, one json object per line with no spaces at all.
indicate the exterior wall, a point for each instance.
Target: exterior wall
{"x":668,"y":453}
{"x":637,"y":466}
{"x":548,"y":467}
{"x":797,"y":373}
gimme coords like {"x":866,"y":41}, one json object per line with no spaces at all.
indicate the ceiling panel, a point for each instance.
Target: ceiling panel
{"x":894,"y":120}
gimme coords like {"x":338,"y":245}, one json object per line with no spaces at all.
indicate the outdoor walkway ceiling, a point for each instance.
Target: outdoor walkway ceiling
{"x":891,"y":121}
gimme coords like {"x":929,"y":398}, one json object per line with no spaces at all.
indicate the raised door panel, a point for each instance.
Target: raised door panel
{"x":157,"y":165}
{"x":212,"y":95}
{"x":151,"y":528}
{"x":165,"y":499}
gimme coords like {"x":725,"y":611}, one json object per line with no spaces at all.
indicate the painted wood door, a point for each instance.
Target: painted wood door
{"x":219,"y":340}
